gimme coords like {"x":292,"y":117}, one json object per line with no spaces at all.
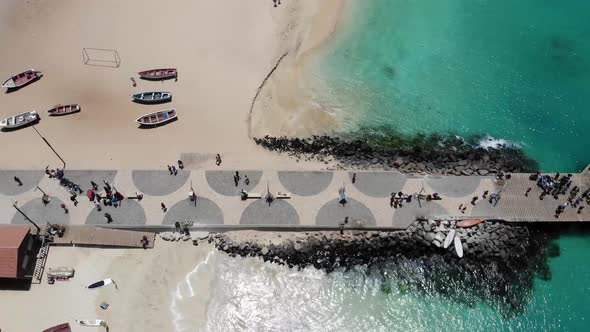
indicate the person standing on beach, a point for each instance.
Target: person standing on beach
{"x":17,"y":180}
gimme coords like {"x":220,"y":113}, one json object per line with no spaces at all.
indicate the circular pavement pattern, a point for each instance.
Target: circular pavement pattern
{"x":305,"y":183}
{"x":129,"y":213}
{"x":223,"y":181}
{"x":9,"y":187}
{"x":378,"y":184}
{"x":333,"y":213}
{"x":407,"y":214}
{"x":159,"y":183}
{"x":278,"y":213}
{"x":453,"y":186}
{"x":206,"y":212}
{"x":41,"y":213}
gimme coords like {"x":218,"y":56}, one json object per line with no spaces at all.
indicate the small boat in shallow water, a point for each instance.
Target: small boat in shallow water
{"x":64,"y":109}
{"x":157,"y":118}
{"x":158,"y":74}
{"x":19,"y":120}
{"x":21,"y":79}
{"x":152,"y":97}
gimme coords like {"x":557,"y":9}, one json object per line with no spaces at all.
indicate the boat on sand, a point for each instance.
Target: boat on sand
{"x":157,"y":118}
{"x":152,"y":97}
{"x":64,"y":109}
{"x":92,"y":322}
{"x":158,"y":74}
{"x":21,"y":79}
{"x":449,"y":238}
{"x":19,"y":120}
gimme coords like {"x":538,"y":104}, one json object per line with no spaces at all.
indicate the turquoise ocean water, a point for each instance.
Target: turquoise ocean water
{"x":512,"y":71}
{"x":517,"y":71}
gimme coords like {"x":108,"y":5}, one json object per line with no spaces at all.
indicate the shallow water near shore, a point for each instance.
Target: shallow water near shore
{"x":516,"y":71}
{"x":247,"y":294}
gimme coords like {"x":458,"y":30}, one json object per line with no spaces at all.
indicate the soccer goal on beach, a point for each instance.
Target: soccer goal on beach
{"x":101,"y":57}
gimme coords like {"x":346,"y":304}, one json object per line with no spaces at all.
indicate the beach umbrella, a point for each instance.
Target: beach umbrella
{"x":90,"y":194}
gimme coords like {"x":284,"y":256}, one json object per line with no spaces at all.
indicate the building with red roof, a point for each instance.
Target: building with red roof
{"x":16,"y":249}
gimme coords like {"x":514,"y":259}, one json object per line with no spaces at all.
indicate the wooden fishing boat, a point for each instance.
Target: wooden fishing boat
{"x":19,"y":120}
{"x":64,"y":109}
{"x":469,"y":222}
{"x":157,"y":118}
{"x":21,"y":79}
{"x":158,"y":74}
{"x":152,"y":97}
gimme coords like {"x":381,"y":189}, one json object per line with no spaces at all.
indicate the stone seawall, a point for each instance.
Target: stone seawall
{"x":430,"y":155}
{"x":508,"y":245}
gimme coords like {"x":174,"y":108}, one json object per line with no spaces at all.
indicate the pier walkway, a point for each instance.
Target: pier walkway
{"x":313,"y":198}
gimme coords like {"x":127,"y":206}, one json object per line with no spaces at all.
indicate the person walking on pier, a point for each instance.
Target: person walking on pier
{"x":94,"y":186}
{"x":63,"y":206}
{"x":353,"y":177}
{"x":392,"y":200}
{"x":237,"y":178}
{"x":473,"y":200}
{"x":108,"y":217}
{"x":485,"y":194}
{"x":527,"y":191}
{"x":163,"y":206}
{"x":218,"y":159}
{"x":580,"y":209}
{"x":17,"y":180}
{"x":73,"y":199}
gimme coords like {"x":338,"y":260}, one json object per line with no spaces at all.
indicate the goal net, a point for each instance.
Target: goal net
{"x":101,"y":57}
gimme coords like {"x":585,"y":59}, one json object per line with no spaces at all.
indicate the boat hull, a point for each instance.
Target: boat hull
{"x":21,"y":79}
{"x":157,"y":118}
{"x":19,"y":120}
{"x":152,"y":97}
{"x":158,"y":74}
{"x":60,"y":110}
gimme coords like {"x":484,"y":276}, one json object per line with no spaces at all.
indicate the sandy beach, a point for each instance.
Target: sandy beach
{"x":152,"y":290}
{"x":223,"y":51}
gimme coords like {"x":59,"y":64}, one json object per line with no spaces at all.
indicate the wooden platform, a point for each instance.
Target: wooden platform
{"x":103,"y":237}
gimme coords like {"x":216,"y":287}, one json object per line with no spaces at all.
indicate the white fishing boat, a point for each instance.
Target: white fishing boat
{"x":449,"y":239}
{"x":458,"y":246}
{"x":101,"y":283}
{"x":91,"y":322}
{"x":19,"y":120}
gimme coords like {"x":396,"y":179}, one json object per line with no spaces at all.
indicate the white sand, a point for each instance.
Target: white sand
{"x":152,"y":286}
{"x":222,"y":49}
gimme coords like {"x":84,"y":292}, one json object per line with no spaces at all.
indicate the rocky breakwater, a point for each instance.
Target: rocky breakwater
{"x":498,"y":266}
{"x":422,"y":155}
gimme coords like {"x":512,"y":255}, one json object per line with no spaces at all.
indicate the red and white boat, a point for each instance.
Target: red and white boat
{"x":22,"y":79}
{"x":158,"y":74}
{"x":64,"y":109}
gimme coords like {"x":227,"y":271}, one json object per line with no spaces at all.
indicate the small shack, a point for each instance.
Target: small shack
{"x":16,"y":252}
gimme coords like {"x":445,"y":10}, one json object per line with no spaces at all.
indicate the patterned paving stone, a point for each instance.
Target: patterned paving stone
{"x":305,"y":183}
{"x":9,"y":187}
{"x":378,"y":184}
{"x":129,"y":213}
{"x":407,"y":214}
{"x":223,"y":181}
{"x":159,"y":183}
{"x":206,"y":212}
{"x":453,"y":186}
{"x":280,"y":212}
{"x":41,"y":213}
{"x":333,"y":213}
{"x":83,"y":178}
